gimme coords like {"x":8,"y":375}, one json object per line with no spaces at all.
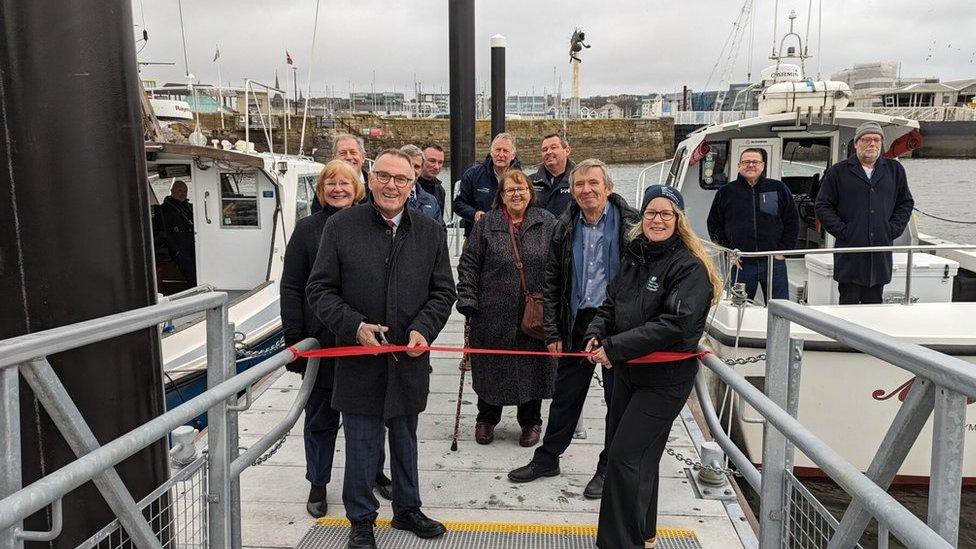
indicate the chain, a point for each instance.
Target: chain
{"x":696,"y":465}
{"x":745,"y":360}
{"x":271,"y":451}
{"x":244,"y":353}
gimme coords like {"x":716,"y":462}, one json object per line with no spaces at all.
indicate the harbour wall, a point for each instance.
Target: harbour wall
{"x":613,"y":140}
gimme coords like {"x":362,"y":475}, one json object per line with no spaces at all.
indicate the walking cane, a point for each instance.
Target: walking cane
{"x":464,"y":366}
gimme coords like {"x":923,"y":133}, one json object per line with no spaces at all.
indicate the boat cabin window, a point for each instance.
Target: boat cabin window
{"x":804,"y":163}
{"x":713,"y":169}
{"x":239,"y":200}
{"x":675,"y":169}
{"x":304,"y":196}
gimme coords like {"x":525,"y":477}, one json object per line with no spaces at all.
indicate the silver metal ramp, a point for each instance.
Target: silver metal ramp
{"x":331,"y":532}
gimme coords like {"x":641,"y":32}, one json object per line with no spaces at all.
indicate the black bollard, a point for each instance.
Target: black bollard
{"x":497,"y":85}
{"x":75,"y":236}
{"x":461,"y":60}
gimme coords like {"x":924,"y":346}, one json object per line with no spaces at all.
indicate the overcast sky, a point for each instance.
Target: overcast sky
{"x":638,"y":46}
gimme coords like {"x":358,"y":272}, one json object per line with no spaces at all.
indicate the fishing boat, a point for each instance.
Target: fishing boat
{"x":244,"y":207}
{"x":848,"y":399}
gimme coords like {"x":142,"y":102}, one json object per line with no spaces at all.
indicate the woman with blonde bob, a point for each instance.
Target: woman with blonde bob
{"x":657,"y":302}
{"x":338,"y":188}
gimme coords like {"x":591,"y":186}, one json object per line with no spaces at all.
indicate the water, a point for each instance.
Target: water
{"x":946,"y":188}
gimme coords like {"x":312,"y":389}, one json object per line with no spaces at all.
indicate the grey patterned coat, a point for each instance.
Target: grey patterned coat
{"x":490,"y":296}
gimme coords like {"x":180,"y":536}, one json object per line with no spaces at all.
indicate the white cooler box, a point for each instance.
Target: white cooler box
{"x":931,"y":278}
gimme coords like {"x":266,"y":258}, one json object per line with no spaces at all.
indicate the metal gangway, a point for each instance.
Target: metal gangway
{"x":200,"y":506}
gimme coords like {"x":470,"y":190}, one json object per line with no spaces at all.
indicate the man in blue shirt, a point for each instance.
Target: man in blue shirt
{"x":420,"y":199}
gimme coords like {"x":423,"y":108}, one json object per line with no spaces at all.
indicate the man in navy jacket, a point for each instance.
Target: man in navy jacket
{"x":754,"y":213}
{"x":864,"y":201}
{"x":479,"y":182}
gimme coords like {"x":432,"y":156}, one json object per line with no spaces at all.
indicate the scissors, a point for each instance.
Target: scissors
{"x":385,"y":342}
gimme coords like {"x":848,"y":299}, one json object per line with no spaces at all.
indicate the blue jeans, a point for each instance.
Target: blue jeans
{"x":753,"y":274}
{"x":364,"y":450}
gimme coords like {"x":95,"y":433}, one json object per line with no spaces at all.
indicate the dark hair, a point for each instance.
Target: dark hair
{"x":518,"y":177}
{"x":562,"y":140}
{"x":392,"y":152}
{"x":432,"y":145}
{"x":760,"y":152}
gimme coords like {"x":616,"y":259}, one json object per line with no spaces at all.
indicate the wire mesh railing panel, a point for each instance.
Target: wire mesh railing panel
{"x":176,"y":511}
{"x":807,"y":524}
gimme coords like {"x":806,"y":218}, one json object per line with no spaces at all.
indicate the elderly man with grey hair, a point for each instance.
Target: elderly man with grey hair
{"x":864,"y":201}
{"x":421,"y":200}
{"x":478,"y":183}
{"x":585,"y":252}
{"x":351,"y":149}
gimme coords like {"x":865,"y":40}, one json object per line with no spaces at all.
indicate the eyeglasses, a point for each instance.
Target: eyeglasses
{"x":750,"y":162}
{"x":870,"y":140}
{"x":666,"y":215}
{"x":516,"y":190}
{"x":400,"y":181}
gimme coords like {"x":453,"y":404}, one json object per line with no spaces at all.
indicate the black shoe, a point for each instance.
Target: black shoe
{"x":415,"y":521}
{"x":594,"y":488}
{"x":317,"y":506}
{"x":361,"y":535}
{"x":384,"y":486}
{"x":530,"y":472}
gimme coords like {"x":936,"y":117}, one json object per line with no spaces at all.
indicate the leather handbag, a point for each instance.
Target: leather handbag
{"x":532,"y":312}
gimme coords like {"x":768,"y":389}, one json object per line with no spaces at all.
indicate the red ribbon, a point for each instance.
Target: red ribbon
{"x":359,"y":350}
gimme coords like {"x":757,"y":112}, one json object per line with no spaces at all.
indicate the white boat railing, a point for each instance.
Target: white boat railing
{"x":942,"y":386}
{"x":708,"y":118}
{"x":927,"y":114}
{"x":642,"y":178}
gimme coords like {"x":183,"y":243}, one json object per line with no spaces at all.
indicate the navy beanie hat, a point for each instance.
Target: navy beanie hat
{"x":672,"y":194}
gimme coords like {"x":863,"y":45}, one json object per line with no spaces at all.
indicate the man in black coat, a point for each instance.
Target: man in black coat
{"x":864,"y":201}
{"x":551,"y":180}
{"x":177,"y":217}
{"x":584,"y":255}
{"x":383,"y":270}
{"x":433,"y":162}
{"x":754,"y":213}
{"x":478,"y":184}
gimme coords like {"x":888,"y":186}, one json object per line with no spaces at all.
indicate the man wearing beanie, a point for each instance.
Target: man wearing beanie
{"x":754,"y":213}
{"x":864,"y":201}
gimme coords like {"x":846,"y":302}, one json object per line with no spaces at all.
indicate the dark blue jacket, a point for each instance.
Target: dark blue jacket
{"x":754,"y":219}
{"x":477,"y":190}
{"x":863,"y":212}
{"x":434,"y":187}
{"x":426,"y":203}
{"x":553,"y":194}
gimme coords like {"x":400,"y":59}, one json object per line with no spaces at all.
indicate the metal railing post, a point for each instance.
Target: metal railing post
{"x":769,"y":280}
{"x":793,"y":392}
{"x":945,"y":484}
{"x":65,"y":415}
{"x":220,"y":494}
{"x":233,"y":449}
{"x":10,"y":473}
{"x":775,"y":454}
{"x":908,"y":279}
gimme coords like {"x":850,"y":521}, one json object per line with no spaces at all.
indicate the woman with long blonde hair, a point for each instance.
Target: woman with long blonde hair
{"x":657,"y":302}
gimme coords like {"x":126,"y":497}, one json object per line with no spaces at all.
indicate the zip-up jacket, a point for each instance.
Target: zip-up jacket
{"x":657,"y":302}
{"x":477,"y":189}
{"x":553,"y":193}
{"x":755,"y":218}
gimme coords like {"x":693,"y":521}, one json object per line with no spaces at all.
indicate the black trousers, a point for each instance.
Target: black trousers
{"x":640,"y":421}
{"x":853,"y":294}
{"x":321,"y":428}
{"x":573,"y":377}
{"x":529,"y":413}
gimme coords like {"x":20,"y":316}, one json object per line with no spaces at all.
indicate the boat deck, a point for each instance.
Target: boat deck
{"x":466,"y":488}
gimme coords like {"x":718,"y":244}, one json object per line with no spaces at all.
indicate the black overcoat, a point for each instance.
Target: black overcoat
{"x":863,"y":212}
{"x":490,"y":295}
{"x":363,"y":273}
{"x":297,"y":319}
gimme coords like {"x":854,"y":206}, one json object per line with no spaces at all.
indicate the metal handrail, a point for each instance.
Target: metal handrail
{"x":28,"y":500}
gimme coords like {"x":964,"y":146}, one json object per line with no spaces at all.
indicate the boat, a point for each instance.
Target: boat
{"x":245,"y":205}
{"x":848,"y":399}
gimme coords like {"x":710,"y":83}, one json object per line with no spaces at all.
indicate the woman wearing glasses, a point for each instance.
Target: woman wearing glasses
{"x":338,"y":188}
{"x":490,"y":295}
{"x":657,"y":302}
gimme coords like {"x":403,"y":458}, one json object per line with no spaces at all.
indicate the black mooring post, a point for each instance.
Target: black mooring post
{"x":461,"y":45}
{"x":497,"y":85}
{"x":75,"y":234}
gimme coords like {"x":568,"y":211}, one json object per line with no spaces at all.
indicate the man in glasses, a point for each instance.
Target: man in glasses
{"x":864,"y":201}
{"x":755,"y":213}
{"x":383,"y":273}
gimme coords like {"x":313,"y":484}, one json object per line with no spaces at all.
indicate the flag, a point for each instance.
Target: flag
{"x":288,"y":58}
{"x":216,"y":55}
